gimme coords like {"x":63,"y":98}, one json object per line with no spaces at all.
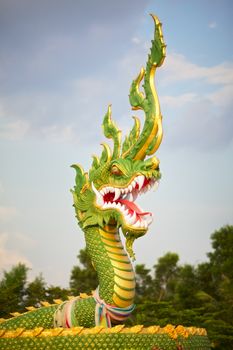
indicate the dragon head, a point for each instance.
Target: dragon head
{"x":108,"y":193}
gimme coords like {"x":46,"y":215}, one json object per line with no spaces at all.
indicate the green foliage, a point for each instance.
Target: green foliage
{"x":83,"y":279}
{"x":13,"y":290}
{"x":165,"y":274}
{"x":200,"y":296}
{"x":56,"y":292}
{"x":143,"y":282}
{"x":16,"y":293}
{"x":35,"y":292}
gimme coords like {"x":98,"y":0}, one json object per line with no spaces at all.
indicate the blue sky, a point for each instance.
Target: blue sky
{"x":61,"y":64}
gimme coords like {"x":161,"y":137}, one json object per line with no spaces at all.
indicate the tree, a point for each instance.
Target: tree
{"x":186,"y":287}
{"x":35,"y":292}
{"x":13,"y":290}
{"x":144,"y":284}
{"x":165,"y":275}
{"x":56,"y":292}
{"x":83,"y":280}
{"x":221,"y":258}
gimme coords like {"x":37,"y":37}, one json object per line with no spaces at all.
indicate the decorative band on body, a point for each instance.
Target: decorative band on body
{"x":64,"y":316}
{"x":104,"y":312}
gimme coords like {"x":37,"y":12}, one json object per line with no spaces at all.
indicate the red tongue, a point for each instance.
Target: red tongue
{"x":133,"y":206}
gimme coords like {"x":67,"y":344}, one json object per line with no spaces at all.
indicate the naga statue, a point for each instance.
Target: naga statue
{"x":105,"y":203}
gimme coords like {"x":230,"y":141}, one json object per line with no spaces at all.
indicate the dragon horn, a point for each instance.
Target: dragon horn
{"x":151,"y":135}
{"x":111,"y":131}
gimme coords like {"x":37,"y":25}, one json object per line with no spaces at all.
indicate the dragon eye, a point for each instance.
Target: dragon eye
{"x":115,"y":170}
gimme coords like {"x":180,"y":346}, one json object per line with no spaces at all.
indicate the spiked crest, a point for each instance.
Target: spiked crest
{"x":140,"y":143}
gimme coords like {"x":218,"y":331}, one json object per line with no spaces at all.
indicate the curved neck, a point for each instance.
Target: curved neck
{"x":115,"y":271}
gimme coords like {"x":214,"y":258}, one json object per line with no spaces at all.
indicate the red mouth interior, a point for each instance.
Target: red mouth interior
{"x":131,"y":206}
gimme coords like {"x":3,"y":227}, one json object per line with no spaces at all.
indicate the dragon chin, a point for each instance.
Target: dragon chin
{"x":123,"y":199}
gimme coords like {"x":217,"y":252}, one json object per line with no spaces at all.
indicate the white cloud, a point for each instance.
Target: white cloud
{"x":178,"y":68}
{"x":1,"y":187}
{"x":57,"y":133}
{"x":223,"y":97}
{"x":15,"y":130}
{"x":7,"y":213}
{"x":212,"y":25}
{"x":9,"y":257}
{"x":136,"y":40}
{"x":178,"y":101}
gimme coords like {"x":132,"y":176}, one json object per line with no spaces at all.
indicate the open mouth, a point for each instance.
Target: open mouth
{"x":123,"y":199}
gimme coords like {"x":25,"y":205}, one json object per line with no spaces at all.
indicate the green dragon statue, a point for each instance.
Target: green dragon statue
{"x":104,"y":201}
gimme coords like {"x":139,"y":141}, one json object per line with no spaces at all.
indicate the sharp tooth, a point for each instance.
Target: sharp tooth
{"x":118,"y":206}
{"x":142,"y":224}
{"x":133,"y":183}
{"x":107,"y":189}
{"x":127,"y":218}
{"x":140,"y":181}
{"x":122,"y":208}
{"x":126,"y":190}
{"x":134,"y":217}
{"x":103,"y":191}
{"x":129,"y":197}
{"x":135,"y":194}
{"x":130,"y":220}
{"x":99,"y":197}
{"x":117,"y":193}
{"x":130,"y":187}
{"x":137,"y":223}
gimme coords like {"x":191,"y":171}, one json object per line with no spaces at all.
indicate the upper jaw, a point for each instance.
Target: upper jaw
{"x":122,"y":199}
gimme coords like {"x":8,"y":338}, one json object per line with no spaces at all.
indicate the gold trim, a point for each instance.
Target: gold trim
{"x":119,"y":302}
{"x":119,"y":258}
{"x":116,"y":243}
{"x":128,"y":275}
{"x":115,"y":250}
{"x":15,"y":314}
{"x":30,"y":308}
{"x":109,"y":236}
{"x":124,"y":294}
{"x":122,"y":266}
{"x":124,"y":283}
{"x":45,"y":303}
{"x":171,"y":330}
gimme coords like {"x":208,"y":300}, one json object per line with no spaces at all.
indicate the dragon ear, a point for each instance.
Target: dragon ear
{"x":80,"y":178}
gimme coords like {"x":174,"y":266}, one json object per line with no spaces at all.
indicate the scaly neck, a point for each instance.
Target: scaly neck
{"x":113,"y":266}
